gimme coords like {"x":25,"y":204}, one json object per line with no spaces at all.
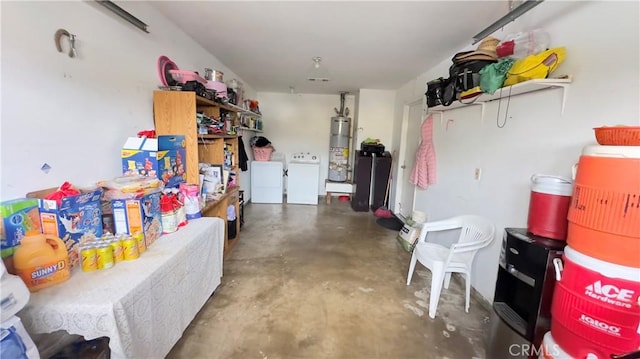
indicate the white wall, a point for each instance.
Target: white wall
{"x":301,"y":123}
{"x":375,"y":116}
{"x":602,"y":41}
{"x":74,"y":114}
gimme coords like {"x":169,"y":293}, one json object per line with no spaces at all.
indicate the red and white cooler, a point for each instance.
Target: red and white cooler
{"x":551,"y":350}
{"x":595,"y":309}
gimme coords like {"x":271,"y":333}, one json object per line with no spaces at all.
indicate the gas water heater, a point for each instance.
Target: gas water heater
{"x":339,"y":143}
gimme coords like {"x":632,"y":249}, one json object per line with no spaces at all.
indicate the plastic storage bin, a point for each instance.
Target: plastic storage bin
{"x":262,"y":153}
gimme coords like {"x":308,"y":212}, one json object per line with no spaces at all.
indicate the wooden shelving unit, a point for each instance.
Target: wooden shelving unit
{"x":175,"y":114}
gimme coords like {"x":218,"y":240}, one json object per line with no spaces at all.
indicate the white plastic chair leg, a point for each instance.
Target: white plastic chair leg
{"x":447,"y":280}
{"x":437,"y":277}
{"x":412,"y":266}
{"x":467,"y":280}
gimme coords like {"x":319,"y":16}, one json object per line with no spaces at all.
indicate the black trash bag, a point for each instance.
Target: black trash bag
{"x":259,"y":141}
{"x":94,"y":349}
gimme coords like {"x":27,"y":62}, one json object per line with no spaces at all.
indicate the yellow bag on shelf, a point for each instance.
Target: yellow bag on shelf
{"x":537,"y":66}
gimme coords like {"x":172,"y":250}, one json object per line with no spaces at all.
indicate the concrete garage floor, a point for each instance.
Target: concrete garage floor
{"x":327,"y":282}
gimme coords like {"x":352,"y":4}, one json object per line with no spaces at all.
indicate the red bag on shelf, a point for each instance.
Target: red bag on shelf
{"x":65,"y":190}
{"x":147,"y":133}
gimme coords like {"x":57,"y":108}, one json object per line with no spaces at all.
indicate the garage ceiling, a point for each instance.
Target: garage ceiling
{"x":372,"y":45}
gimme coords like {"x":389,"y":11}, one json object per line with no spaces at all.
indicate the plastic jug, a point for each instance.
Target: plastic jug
{"x":41,"y":261}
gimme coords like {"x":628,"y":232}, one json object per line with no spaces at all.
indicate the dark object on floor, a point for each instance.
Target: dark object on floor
{"x":90,"y":349}
{"x":394,"y":223}
{"x":232,"y":229}
{"x":381,"y":177}
{"x":362,"y":179}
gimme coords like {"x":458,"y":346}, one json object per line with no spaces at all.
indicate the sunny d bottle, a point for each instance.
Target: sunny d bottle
{"x":41,"y":261}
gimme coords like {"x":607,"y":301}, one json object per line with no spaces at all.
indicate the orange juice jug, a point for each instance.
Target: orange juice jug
{"x":41,"y":261}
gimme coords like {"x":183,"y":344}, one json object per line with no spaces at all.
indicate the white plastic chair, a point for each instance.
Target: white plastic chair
{"x":475,"y":232}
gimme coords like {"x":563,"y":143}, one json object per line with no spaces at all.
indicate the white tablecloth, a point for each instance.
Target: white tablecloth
{"x":142,"y":305}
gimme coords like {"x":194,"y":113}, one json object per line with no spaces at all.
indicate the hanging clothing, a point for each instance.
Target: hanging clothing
{"x":424,"y":171}
{"x":243,"y":155}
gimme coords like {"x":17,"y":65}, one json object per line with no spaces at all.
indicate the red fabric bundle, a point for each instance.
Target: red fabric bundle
{"x":65,"y":190}
{"x":147,"y":134}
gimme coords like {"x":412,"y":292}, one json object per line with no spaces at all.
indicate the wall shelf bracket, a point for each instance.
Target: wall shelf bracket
{"x":565,"y":90}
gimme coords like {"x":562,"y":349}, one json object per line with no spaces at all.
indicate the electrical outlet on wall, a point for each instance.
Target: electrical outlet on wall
{"x":477,"y":174}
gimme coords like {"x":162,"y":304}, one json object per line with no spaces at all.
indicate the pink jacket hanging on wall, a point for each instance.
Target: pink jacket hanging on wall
{"x":424,"y":172}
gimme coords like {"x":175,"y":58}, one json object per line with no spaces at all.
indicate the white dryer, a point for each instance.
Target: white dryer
{"x":266,"y":181}
{"x":303,"y":178}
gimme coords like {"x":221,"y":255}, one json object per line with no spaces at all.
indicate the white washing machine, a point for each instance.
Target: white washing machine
{"x":266,"y":181}
{"x":303,"y":178}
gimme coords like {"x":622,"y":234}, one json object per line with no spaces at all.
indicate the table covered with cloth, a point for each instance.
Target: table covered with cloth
{"x":143,"y":305}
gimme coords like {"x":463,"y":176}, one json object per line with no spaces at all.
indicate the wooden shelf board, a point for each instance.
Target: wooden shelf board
{"x":216,"y":136}
{"x":211,"y":204}
{"x":517,"y":89}
{"x":201,"y":101}
{"x":241,"y":110}
{"x":250,"y":129}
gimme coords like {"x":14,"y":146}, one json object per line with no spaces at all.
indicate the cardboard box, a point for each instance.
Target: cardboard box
{"x":138,"y":215}
{"x":163,"y":157}
{"x":18,"y":217}
{"x":76,"y":220}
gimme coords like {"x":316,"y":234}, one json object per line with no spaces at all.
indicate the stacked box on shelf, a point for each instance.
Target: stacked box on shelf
{"x":163,"y":157}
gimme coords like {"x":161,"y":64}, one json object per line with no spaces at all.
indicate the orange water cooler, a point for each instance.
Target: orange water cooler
{"x":604,"y":216}
{"x":596,"y":304}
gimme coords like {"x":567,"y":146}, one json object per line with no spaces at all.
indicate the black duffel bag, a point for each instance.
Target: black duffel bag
{"x":434,"y":92}
{"x":441,"y":91}
{"x":463,"y":75}
{"x":466,"y":74}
